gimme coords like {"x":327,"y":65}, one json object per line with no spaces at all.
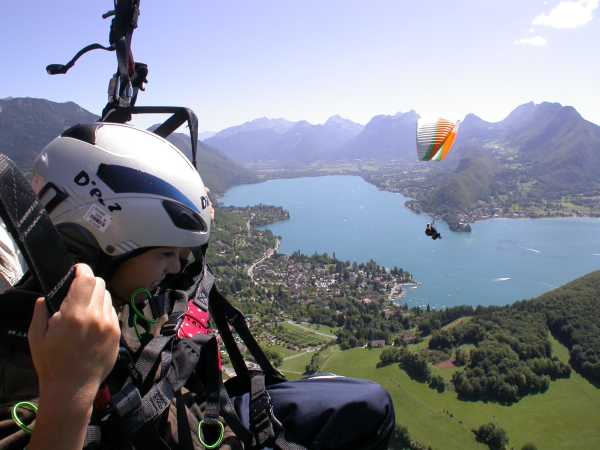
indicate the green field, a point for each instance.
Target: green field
{"x":283,"y":351}
{"x":320,"y":328}
{"x":300,"y":336}
{"x":293,"y":368}
{"x":295,"y":361}
{"x":565,"y":417}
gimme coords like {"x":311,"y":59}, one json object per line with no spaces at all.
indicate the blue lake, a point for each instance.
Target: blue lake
{"x":501,"y":261}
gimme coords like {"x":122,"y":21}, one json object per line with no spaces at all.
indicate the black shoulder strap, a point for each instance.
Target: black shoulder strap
{"x":34,"y":233}
{"x":16,"y":311}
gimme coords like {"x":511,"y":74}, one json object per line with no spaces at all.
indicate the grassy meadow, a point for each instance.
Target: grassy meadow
{"x":567,"y":416}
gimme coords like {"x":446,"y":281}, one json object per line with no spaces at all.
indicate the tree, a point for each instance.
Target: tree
{"x":492,"y":435}
{"x":273,"y":356}
{"x":441,"y":340}
{"x":400,"y":438}
{"x":437,"y":382}
{"x":529,"y":446}
{"x":391,"y":355}
{"x":462,"y":357}
{"x":314,"y":365}
{"x":425,"y":328}
{"x":415,"y":366}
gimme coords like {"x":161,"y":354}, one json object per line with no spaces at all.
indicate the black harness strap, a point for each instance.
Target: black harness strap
{"x":224,"y":314}
{"x":217,"y":314}
{"x":135,"y":410}
{"x":179,"y":301}
{"x":240,"y":325}
{"x":218,"y":401}
{"x":261,"y":412}
{"x":184,"y":362}
{"x":266,"y":429}
{"x":126,"y":403}
{"x":184,"y":433}
{"x":281,"y":443}
{"x":150,"y":355}
{"x":93,"y":436}
{"x":211,"y":377}
{"x":231,"y":417}
{"x":161,"y":304}
{"x":262,"y":419}
{"x":39,"y":241}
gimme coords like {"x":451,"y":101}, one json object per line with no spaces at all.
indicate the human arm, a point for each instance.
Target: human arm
{"x":73,"y":351}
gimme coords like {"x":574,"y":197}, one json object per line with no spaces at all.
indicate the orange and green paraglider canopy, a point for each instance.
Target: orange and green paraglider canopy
{"x":435,"y":138}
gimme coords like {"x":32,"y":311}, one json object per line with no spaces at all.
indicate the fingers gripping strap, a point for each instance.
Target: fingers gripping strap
{"x":56,"y":295}
{"x":35,"y":234}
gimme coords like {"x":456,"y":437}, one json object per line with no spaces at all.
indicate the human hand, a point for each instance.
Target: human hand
{"x":74,"y":350}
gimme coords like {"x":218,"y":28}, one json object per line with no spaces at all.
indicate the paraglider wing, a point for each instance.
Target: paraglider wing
{"x":435,"y":139}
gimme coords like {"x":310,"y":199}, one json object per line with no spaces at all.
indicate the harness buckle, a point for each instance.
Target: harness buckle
{"x":262,"y":418}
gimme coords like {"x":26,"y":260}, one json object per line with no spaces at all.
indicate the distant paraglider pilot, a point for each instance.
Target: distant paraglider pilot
{"x":435,"y":139}
{"x":432,"y":232}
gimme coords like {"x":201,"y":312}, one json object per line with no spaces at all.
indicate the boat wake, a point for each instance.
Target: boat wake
{"x":496,"y":280}
{"x":532,"y":250}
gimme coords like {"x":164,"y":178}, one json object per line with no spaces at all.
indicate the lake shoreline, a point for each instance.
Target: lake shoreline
{"x":458,"y":222}
{"x":336,"y":214}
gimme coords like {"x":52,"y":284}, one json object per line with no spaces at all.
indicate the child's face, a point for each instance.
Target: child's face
{"x":145,"y":271}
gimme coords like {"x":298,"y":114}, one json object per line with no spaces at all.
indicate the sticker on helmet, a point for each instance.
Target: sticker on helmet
{"x":83,"y":179}
{"x":98,"y":217}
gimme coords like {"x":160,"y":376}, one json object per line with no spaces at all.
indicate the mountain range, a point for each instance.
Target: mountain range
{"x":544,"y":133}
{"x":285,"y":142}
{"x":538,"y":152}
{"x":28,"y":124}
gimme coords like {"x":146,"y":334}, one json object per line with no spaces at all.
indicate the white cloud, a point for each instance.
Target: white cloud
{"x":568,"y":14}
{"x":536,"y":41}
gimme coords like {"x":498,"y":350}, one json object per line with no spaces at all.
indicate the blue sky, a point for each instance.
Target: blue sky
{"x":233,"y":61}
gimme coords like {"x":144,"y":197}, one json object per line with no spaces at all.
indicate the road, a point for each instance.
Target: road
{"x":270,"y":252}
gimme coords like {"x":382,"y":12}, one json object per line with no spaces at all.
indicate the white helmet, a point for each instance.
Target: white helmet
{"x":129,"y":188}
